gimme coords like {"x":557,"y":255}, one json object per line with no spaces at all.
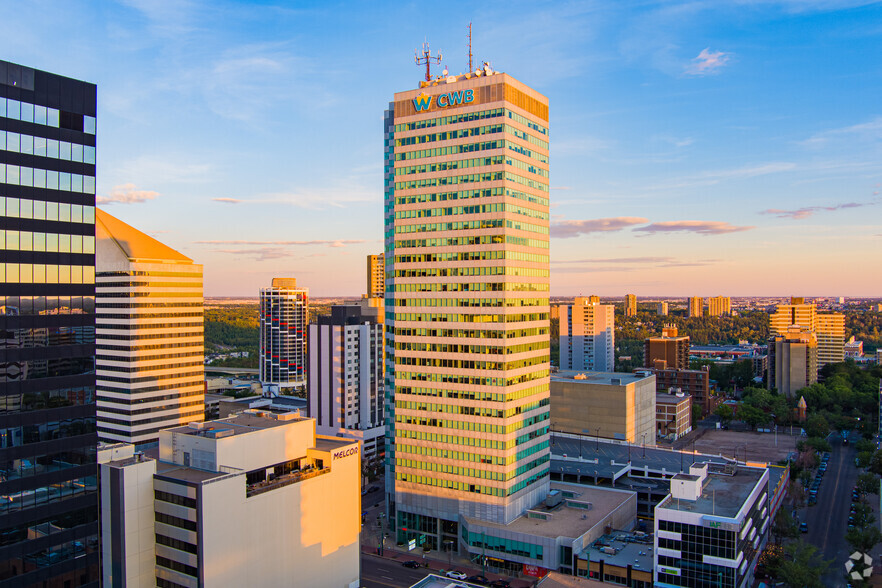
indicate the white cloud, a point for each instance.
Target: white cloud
{"x":126,"y":194}
{"x":708,"y":62}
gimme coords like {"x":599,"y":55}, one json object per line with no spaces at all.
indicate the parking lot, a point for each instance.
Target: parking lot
{"x":747,"y":445}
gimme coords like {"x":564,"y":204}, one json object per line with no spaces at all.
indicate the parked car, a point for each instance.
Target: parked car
{"x":479,"y":579}
{"x":500,"y":584}
{"x":803,"y":527}
{"x":413,"y":564}
{"x":456,"y":575}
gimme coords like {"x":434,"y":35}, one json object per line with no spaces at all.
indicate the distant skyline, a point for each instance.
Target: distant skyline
{"x":729,"y":147}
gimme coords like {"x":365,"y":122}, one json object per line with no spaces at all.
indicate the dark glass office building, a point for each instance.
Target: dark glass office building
{"x":48,"y":490}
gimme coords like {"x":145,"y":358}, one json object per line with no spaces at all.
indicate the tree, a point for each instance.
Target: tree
{"x":817,"y":426}
{"x":801,"y":566}
{"x":785,"y":526}
{"x":819,"y":444}
{"x":752,"y":416}
{"x":863,"y":458}
{"x":725,"y":412}
{"x":868,"y":483}
{"x":876,"y":463}
{"x":864,"y":539}
{"x":697,"y":413}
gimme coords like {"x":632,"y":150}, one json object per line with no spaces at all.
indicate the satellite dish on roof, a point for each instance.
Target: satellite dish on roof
{"x":444,"y":73}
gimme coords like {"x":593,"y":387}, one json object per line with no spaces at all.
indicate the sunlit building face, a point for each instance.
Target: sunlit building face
{"x":467,"y":315}
{"x":48,"y":498}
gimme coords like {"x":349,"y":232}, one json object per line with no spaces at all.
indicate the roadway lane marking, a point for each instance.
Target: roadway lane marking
{"x":835,"y":492}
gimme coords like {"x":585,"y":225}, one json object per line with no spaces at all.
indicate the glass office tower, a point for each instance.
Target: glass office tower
{"x":48,"y":491}
{"x":467,"y":315}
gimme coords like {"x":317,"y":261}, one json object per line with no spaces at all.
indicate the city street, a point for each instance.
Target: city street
{"x":377,"y":572}
{"x":828,"y":519}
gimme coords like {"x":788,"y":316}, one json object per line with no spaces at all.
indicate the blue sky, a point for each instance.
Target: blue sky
{"x":697,"y":148}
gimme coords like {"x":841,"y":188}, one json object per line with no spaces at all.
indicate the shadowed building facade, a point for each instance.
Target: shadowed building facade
{"x":48,"y":492}
{"x":467,"y":313}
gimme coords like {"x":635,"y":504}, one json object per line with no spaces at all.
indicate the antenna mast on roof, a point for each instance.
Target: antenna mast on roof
{"x":470,"y":48}
{"x":426,"y":59}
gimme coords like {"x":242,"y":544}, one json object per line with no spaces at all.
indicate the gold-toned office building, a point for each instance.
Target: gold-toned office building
{"x":467,"y":313}
{"x":829,"y":328}
{"x":719,"y":305}
{"x":630,"y":305}
{"x":376,"y":276}
{"x":150,"y":354}
{"x":696,"y":306}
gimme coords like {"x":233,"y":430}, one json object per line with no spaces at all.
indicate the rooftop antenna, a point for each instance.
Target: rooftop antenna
{"x":470,"y":48}
{"x":426,"y":59}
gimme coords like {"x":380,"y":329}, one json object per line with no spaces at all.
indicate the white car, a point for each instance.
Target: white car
{"x":456,"y":575}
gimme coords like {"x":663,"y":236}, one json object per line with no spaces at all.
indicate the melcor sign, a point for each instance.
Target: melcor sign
{"x":424,"y":101}
{"x":345,"y":452}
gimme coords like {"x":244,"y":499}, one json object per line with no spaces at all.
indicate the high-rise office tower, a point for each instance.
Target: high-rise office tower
{"x":719,"y":305}
{"x":696,"y":306}
{"x":284,"y":318}
{"x":346,"y":377}
{"x":467,"y":313}
{"x":630,"y":305}
{"x":587,"y":336}
{"x":48,"y":510}
{"x":149,"y":339}
{"x":829,"y":328}
{"x":376,"y":276}
{"x":670,"y":351}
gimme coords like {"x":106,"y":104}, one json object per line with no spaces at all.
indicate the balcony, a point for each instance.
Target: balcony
{"x":286,"y":480}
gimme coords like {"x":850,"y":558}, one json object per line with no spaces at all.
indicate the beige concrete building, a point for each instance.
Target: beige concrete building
{"x":149,"y":334}
{"x":829,"y":328}
{"x":253,"y":500}
{"x":662,"y":309}
{"x":630,"y":305}
{"x":587,"y":336}
{"x":719,"y":306}
{"x":695,"y":307}
{"x":793,"y":361}
{"x":673,"y":414}
{"x":376,"y":276}
{"x":467,"y":228}
{"x":611,"y":405}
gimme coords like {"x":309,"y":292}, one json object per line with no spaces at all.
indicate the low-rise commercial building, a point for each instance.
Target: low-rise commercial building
{"x":854,"y":349}
{"x":622,"y":558}
{"x":606,"y":404}
{"x":673,"y":414}
{"x":550,"y":535}
{"x":695,"y":383}
{"x":253,"y":500}
{"x":712,"y":527}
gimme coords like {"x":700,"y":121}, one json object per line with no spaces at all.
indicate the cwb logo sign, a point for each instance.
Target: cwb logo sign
{"x":424,"y":101}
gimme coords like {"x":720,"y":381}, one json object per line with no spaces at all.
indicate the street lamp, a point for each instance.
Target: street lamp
{"x":597,"y":440}
{"x":775,"y":424}
{"x":644,"y":444}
